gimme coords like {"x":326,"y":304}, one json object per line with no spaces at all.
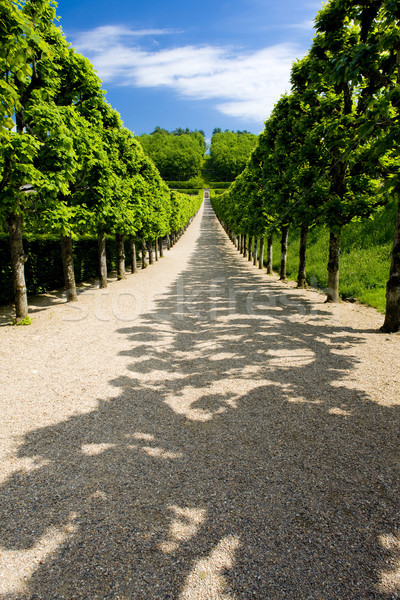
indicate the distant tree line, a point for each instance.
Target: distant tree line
{"x":178,"y":155}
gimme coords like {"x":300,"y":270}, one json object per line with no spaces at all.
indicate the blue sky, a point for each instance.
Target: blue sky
{"x":191,"y":64}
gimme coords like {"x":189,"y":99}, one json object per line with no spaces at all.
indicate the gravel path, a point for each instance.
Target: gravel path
{"x":199,"y":431}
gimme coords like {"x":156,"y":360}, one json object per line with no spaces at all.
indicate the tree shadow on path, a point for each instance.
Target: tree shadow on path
{"x":237,"y":461}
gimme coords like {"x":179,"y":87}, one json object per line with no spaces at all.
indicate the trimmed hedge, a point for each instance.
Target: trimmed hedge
{"x":183,"y":185}
{"x":44,"y":270}
{"x":220,"y":185}
{"x":187,"y":191}
{"x":189,"y":185}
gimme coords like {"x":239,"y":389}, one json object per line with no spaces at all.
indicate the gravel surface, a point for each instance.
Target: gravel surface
{"x":199,"y":431}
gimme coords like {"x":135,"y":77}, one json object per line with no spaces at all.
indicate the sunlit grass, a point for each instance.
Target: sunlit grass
{"x":366,"y":249}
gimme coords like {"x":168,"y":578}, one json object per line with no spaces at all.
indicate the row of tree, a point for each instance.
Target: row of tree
{"x":329,"y":151}
{"x":67,"y":164}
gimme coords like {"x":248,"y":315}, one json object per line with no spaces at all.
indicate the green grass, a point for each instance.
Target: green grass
{"x":26,"y":321}
{"x":366,"y":248}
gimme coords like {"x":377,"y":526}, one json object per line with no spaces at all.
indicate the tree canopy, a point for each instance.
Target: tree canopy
{"x":178,"y":155}
{"x":229,"y":152}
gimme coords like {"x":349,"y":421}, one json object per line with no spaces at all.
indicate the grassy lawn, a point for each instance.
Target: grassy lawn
{"x":366,"y":248}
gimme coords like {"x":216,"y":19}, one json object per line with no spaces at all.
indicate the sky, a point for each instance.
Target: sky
{"x":196,"y":64}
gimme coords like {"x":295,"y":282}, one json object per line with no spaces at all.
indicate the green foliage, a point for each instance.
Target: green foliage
{"x":26,"y":321}
{"x":229,"y":153}
{"x":177,"y":155}
{"x":183,"y":208}
{"x":219,"y":185}
{"x":195,"y":183}
{"x":38,"y":152}
{"x":69,"y":167}
{"x":188,"y":191}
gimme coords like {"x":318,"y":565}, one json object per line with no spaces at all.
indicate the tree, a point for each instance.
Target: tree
{"x":372,"y":60}
{"x":101,"y":177}
{"x":229,"y":153}
{"x":177,"y":155}
{"x":78,"y":84}
{"x":354,"y":186}
{"x":66,"y":214}
{"x":29,"y":45}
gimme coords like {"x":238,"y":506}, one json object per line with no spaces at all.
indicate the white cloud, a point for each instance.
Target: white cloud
{"x":95,"y":40}
{"x":243,"y":84}
{"x":306,"y":25}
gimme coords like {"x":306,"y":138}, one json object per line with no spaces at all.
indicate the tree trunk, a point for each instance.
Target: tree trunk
{"x":261,"y":255}
{"x":156,"y":249}
{"x":333,"y":268}
{"x":168,"y":242}
{"x":150,"y":252}
{"x":240,"y":246}
{"x":392,"y":317}
{"x":134,"y":268}
{"x":249,"y":257}
{"x":301,"y":276}
{"x":68,"y":265}
{"x":160,"y":246}
{"x":284,"y":242}
{"x":255,"y":251}
{"x":101,"y":242}
{"x":18,"y":260}
{"x":121,"y":274}
{"x":270,"y":270}
{"x":245,"y":245}
{"x":144,"y":265}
